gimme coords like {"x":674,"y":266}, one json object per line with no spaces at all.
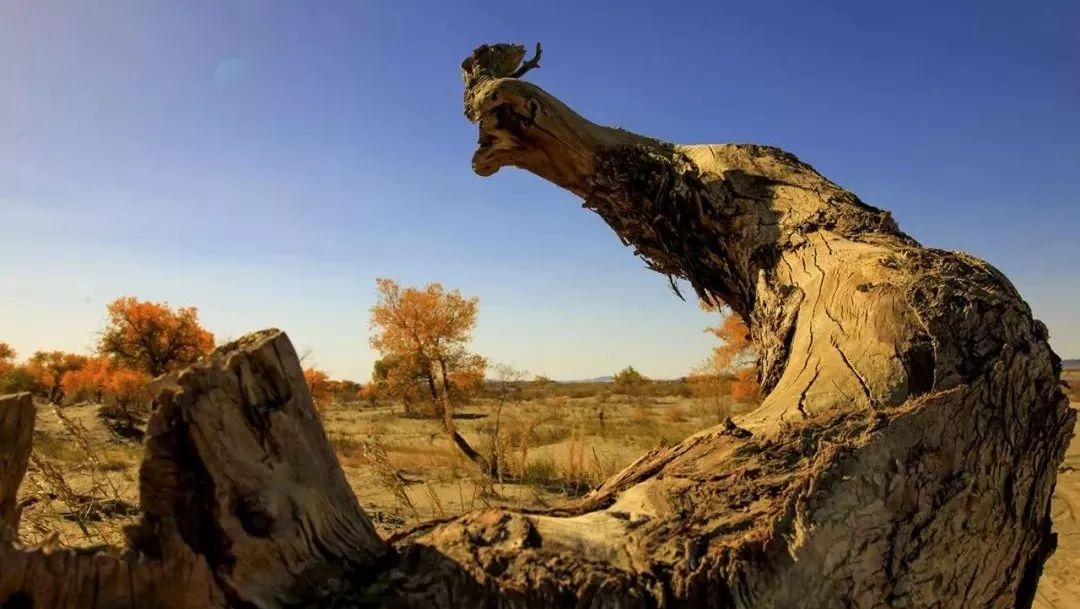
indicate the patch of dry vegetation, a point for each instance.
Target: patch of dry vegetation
{"x":553,"y":442}
{"x":81,"y":487}
{"x":551,"y":445}
{"x":1072,"y":380}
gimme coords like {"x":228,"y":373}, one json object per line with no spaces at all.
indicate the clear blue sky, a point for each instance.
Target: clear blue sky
{"x":266,"y":161}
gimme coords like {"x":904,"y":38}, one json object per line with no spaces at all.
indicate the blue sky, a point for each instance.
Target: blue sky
{"x":267,"y":160}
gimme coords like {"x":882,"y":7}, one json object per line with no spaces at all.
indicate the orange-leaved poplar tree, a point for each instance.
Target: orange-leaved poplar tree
{"x":49,"y":368}
{"x":99,"y":379}
{"x":425,"y":332}
{"x":127,"y":400}
{"x":730,"y":371}
{"x":318,"y":383}
{"x":89,"y":382}
{"x":152,"y":337}
{"x":128,"y":388}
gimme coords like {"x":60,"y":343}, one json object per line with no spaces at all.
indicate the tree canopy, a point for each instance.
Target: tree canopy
{"x":49,"y":367}
{"x":422,"y":335}
{"x":153,"y":337}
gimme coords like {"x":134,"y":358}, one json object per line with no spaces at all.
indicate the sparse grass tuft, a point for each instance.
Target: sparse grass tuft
{"x":77,"y":477}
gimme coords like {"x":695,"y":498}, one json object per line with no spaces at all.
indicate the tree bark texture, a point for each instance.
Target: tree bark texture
{"x":243,"y":503}
{"x":905,"y":454}
{"x":16,"y":434}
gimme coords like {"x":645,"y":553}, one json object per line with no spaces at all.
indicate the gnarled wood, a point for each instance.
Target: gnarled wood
{"x":244,"y":503}
{"x":16,"y":435}
{"x":62,"y":579}
{"x":238,"y":459}
{"x":905,"y":454}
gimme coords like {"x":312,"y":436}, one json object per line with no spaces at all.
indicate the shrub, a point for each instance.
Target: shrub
{"x":18,"y":379}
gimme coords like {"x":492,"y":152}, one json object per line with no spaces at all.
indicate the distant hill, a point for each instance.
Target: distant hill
{"x":599,"y":379}
{"x":1071,"y":364}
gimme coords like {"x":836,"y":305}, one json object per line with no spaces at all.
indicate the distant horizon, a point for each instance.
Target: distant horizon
{"x":265,"y":162}
{"x":529,"y":376}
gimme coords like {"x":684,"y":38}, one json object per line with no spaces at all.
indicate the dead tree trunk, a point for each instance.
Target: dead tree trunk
{"x":244,"y":503}
{"x":905,"y":455}
{"x":16,"y":432}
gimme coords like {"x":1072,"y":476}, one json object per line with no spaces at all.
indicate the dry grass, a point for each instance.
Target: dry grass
{"x":82,"y":489}
{"x":1072,"y":379}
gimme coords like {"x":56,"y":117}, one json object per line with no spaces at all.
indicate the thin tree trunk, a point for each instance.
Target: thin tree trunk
{"x":436,"y":404}
{"x":448,"y":423}
{"x":904,"y":456}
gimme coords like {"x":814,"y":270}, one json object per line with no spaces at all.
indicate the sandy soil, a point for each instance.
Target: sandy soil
{"x":1060,"y":584}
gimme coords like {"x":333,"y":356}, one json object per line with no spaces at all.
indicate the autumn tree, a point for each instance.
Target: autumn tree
{"x":127,"y":400}
{"x":319,"y":384}
{"x":153,"y":337}
{"x":425,"y":332}
{"x":90,"y":381}
{"x":7,"y":358}
{"x":369,"y":392}
{"x":14,"y":378}
{"x":124,"y":394}
{"x":396,"y":377}
{"x":629,"y":381}
{"x":729,"y":373}
{"x":736,"y":354}
{"x":17,"y":380}
{"x":48,"y":369}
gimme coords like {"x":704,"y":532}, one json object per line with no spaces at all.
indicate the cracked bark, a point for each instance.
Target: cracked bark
{"x":243,"y":503}
{"x":921,"y":480}
{"x":16,"y":432}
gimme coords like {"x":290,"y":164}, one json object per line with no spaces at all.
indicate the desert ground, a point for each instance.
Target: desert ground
{"x":1060,"y":584}
{"x":82,"y":485}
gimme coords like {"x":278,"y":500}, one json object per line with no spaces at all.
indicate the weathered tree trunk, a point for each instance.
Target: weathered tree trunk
{"x":904,"y":456}
{"x":16,"y":433}
{"x":244,"y":503}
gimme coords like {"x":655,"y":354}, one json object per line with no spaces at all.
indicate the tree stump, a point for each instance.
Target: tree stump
{"x":243,"y":502}
{"x":16,"y":434}
{"x":905,"y":454}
